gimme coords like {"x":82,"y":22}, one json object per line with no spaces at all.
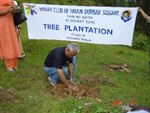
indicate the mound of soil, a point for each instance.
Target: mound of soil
{"x":62,"y":91}
{"x":86,"y":87}
{"x":115,"y":67}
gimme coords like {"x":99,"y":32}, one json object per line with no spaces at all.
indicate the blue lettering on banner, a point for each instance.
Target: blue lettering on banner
{"x":51,"y":26}
{"x":45,"y":9}
{"x":79,"y":39}
{"x":58,"y":10}
{"x":73,"y":38}
{"x":76,"y":21}
{"x":87,"y":17}
{"x":88,"y":29}
{"x":92,"y":11}
{"x":110,"y":12}
{"x":76,"y":11}
{"x":70,"y":16}
{"x":86,"y":40}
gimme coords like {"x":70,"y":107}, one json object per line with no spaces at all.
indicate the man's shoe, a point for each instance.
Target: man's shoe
{"x":53,"y":83}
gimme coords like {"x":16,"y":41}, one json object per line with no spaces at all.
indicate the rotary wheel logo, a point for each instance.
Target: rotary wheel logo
{"x":126,"y":15}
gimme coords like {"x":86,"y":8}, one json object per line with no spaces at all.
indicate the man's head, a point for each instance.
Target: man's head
{"x":72,"y":50}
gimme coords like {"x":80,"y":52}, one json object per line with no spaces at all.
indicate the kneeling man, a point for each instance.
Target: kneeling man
{"x":60,"y":64}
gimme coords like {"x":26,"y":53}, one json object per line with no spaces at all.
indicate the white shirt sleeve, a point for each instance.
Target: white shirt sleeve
{"x":148,"y":19}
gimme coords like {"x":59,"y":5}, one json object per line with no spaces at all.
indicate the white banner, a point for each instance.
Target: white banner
{"x":89,"y":24}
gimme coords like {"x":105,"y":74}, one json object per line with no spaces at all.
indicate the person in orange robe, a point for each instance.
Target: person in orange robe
{"x":18,"y":29}
{"x":9,"y":46}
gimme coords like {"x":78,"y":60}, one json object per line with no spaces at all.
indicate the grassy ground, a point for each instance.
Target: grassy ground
{"x":25,"y":90}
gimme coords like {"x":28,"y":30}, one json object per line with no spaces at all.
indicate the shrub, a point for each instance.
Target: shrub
{"x":140,"y":41}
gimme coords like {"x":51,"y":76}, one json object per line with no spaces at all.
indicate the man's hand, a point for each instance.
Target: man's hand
{"x":72,"y":82}
{"x":139,"y":8}
{"x":11,"y":9}
{"x":72,"y":87}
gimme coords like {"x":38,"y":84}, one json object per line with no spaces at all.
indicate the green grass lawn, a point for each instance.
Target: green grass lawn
{"x":25,"y":90}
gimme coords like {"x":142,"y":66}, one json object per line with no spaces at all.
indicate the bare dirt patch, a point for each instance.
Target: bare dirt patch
{"x":86,"y":87}
{"x":117,"y":67}
{"x":7,"y":95}
{"x":62,"y":91}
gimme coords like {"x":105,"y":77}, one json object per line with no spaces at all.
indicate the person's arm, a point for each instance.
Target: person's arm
{"x":62,"y":77}
{"x":4,"y":12}
{"x":143,"y":13}
{"x":64,"y":80}
{"x":9,"y":10}
{"x":71,"y":76}
{"x":71,"y":70}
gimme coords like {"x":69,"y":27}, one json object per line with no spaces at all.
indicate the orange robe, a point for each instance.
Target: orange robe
{"x":9,"y":46}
